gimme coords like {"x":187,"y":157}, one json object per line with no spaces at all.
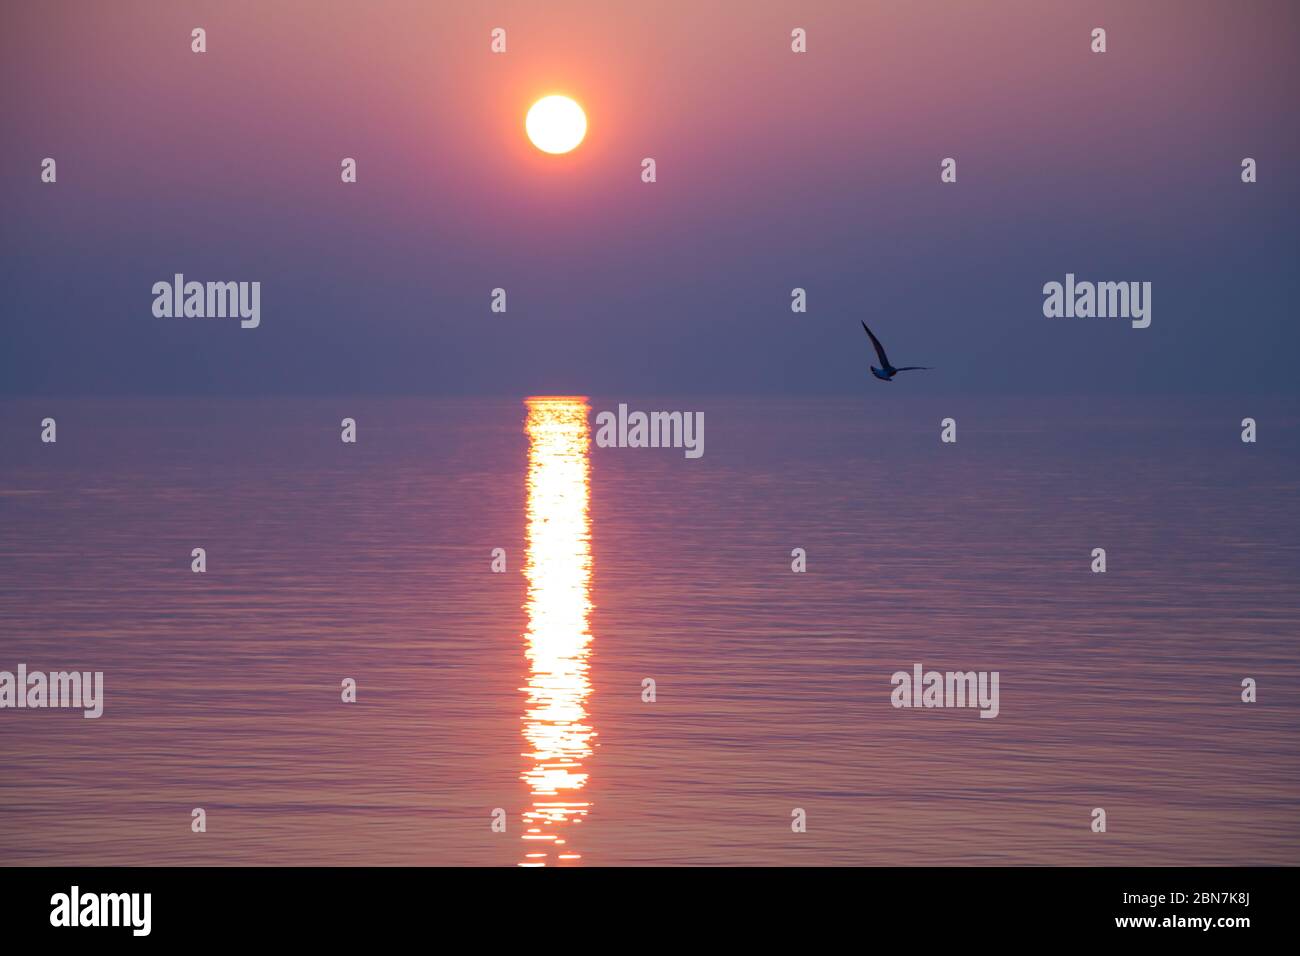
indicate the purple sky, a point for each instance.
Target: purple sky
{"x":775,"y":170}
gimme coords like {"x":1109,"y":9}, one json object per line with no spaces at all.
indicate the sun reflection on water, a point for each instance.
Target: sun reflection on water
{"x":558,"y":639}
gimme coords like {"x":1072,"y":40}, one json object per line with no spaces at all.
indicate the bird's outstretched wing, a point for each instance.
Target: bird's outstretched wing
{"x":880,"y":349}
{"x":914,"y":368}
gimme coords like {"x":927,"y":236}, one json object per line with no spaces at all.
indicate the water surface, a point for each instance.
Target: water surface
{"x":522,"y":690}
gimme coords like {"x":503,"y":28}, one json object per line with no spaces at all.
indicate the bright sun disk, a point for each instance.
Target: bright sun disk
{"x":556,"y":124}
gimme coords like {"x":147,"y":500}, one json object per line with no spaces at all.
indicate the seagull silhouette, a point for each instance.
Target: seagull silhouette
{"x":887,"y":373}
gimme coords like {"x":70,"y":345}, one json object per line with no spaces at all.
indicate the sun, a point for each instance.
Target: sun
{"x":556,"y":124}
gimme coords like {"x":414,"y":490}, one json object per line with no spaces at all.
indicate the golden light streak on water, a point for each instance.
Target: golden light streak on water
{"x":558,"y":640}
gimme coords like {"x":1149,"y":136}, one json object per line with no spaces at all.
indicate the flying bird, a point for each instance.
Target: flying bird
{"x":887,"y":373}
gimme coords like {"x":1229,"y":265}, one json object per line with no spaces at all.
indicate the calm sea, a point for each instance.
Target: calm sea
{"x":523,"y":690}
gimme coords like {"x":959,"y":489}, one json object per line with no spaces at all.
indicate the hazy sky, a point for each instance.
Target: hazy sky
{"x":775,"y":170}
